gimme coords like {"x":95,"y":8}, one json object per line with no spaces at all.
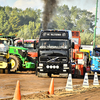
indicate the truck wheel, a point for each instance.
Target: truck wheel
{"x":49,"y":74}
{"x":15,"y":63}
{"x":36,"y":72}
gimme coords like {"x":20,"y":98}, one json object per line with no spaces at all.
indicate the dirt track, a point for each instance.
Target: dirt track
{"x":31,"y":84}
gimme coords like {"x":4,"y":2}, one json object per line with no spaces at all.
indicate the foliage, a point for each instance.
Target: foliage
{"x":86,"y":38}
{"x":73,"y":19}
{"x":27,"y":23}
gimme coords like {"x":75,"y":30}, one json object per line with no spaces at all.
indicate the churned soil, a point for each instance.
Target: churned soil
{"x":36,"y":88}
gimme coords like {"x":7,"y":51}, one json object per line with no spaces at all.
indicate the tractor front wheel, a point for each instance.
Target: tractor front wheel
{"x":15,"y":63}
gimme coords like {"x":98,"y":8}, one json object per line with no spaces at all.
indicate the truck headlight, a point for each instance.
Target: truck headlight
{"x":40,"y":64}
{"x":65,"y":65}
{"x":54,"y":66}
{"x":51,"y":66}
{"x":57,"y":67}
{"x":47,"y":66}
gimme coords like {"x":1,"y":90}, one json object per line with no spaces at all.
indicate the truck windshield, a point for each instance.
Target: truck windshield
{"x":29,"y":45}
{"x":75,"y":40}
{"x":53,"y":43}
{"x":97,"y":53}
{"x":26,"y":44}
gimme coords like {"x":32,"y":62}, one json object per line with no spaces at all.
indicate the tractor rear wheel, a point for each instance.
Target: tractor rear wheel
{"x":15,"y":63}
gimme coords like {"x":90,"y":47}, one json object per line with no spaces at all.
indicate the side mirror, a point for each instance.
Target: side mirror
{"x":73,"y":45}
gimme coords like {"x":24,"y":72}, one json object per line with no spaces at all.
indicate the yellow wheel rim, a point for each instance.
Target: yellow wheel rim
{"x":12,"y":63}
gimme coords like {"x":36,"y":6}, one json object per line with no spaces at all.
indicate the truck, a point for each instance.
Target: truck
{"x":18,"y":56}
{"x":5,"y":65}
{"x":95,"y":60}
{"x":54,"y":53}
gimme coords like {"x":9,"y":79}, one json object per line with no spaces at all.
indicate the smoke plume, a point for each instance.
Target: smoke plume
{"x":49,"y":9}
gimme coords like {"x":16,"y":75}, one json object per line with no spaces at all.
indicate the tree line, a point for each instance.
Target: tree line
{"x":28,"y":23}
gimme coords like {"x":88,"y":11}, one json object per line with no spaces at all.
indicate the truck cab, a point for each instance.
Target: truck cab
{"x":95,"y":60}
{"x":54,"y":53}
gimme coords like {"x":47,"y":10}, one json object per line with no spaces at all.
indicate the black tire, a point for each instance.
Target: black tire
{"x":36,"y":70}
{"x":15,"y":63}
{"x":49,"y":74}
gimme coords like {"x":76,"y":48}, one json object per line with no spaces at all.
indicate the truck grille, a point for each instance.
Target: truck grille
{"x":48,"y":58}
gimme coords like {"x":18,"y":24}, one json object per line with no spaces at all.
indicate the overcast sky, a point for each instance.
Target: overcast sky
{"x":89,"y":5}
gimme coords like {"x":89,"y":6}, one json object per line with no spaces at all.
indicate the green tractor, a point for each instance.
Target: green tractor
{"x":5,"y":65}
{"x":18,"y":56}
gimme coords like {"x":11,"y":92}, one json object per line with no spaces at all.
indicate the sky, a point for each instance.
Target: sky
{"x":89,"y":5}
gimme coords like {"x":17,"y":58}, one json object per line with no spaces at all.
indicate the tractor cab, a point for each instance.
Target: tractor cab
{"x":4,"y":56}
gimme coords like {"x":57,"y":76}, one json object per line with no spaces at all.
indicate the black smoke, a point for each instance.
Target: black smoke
{"x":49,"y":10}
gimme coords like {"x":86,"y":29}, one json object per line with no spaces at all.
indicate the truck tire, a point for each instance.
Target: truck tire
{"x":15,"y":63}
{"x":49,"y":74}
{"x":36,"y":72}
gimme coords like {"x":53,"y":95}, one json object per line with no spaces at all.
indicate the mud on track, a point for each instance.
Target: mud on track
{"x":31,"y":84}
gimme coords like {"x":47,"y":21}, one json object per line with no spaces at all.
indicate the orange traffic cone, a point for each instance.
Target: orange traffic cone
{"x":51,"y":87}
{"x":17,"y":95}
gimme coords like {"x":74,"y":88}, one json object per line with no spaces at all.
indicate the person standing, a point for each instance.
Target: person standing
{"x":85,"y":63}
{"x":85,"y":60}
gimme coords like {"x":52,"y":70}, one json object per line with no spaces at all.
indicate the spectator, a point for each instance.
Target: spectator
{"x":85,"y":64}
{"x":85,"y":60}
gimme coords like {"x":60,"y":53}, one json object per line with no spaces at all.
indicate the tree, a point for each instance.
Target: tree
{"x":13,"y":21}
{"x":86,"y":38}
{"x":3,"y":22}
